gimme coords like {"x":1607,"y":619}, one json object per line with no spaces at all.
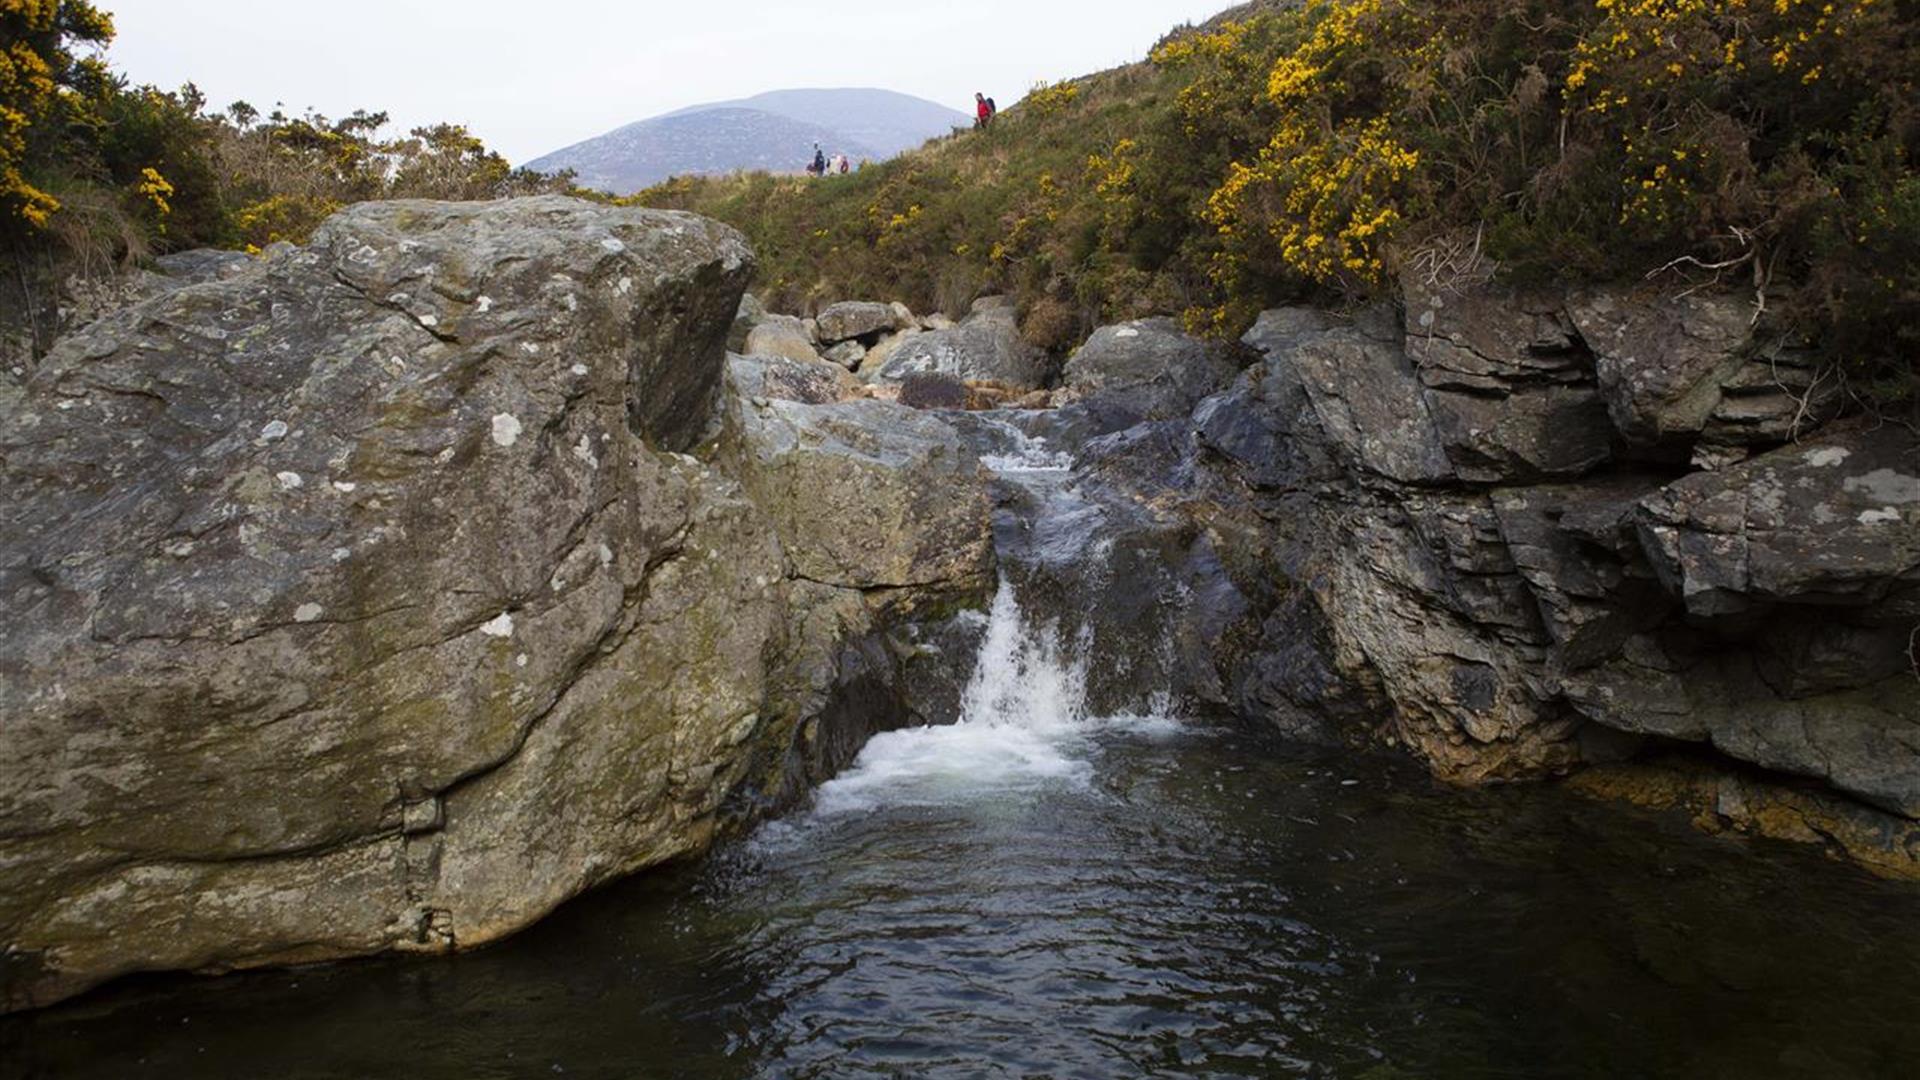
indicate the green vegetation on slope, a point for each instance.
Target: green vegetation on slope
{"x":1286,"y":152}
{"x":95,"y":171}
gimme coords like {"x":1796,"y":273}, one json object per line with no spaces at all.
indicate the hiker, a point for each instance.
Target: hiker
{"x":845,"y":165}
{"x":819,"y":166}
{"x":983,"y":111}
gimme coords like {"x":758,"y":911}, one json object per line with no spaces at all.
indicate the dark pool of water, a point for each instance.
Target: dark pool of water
{"x":1197,"y":903}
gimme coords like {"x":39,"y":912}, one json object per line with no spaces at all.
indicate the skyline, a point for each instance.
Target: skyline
{"x":527,"y":89}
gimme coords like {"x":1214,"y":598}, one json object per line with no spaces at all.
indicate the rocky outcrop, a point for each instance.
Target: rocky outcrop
{"x":368,"y":598}
{"x":1524,"y":533}
{"x":985,"y":347}
{"x":1506,"y":544}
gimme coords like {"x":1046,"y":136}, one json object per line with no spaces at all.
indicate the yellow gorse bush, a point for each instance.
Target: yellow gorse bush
{"x":36,"y":61}
{"x":1323,"y":199}
{"x":1049,"y":99}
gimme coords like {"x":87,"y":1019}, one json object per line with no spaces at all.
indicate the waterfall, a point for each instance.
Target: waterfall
{"x":1023,"y":721}
{"x":1023,"y":677}
{"x":1020,"y":726}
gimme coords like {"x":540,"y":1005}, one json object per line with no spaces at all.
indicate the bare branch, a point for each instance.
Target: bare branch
{"x":1688,"y":260}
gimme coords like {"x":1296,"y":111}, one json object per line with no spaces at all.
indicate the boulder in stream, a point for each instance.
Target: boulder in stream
{"x":366,"y":598}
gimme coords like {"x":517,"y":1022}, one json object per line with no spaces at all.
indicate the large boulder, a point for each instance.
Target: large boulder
{"x":867,"y":494}
{"x":776,"y":377}
{"x":1149,"y":366}
{"x":363,"y":600}
{"x":985,"y":347}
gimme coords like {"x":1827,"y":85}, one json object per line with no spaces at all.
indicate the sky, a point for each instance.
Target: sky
{"x":531,"y":76}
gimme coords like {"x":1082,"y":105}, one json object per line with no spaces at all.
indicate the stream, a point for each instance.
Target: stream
{"x":1042,"y":890}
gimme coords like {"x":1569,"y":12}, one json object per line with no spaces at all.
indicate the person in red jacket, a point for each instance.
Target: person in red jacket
{"x":983,"y":114}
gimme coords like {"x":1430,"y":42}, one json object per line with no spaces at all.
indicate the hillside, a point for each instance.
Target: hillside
{"x":774,"y":132}
{"x":1284,"y":152}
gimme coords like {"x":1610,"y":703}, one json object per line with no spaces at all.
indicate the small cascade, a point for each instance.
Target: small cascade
{"x":1020,"y":453}
{"x":1022,"y":723}
{"x":1024,"y":720}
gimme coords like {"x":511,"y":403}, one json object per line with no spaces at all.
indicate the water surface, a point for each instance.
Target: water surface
{"x":1066,"y":896}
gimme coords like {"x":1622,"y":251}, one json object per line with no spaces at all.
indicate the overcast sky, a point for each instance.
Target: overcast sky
{"x":530,"y":76}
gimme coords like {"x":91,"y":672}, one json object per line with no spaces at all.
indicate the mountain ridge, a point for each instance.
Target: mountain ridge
{"x":775,"y":131}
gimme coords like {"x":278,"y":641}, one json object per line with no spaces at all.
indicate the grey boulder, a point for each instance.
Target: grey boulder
{"x":985,"y":347}
{"x":1149,"y":366}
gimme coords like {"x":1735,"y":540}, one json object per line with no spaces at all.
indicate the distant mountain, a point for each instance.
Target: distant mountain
{"x":774,"y":131}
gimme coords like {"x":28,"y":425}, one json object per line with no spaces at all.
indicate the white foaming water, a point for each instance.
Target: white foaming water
{"x":1022,"y":725}
{"x":1029,"y":454}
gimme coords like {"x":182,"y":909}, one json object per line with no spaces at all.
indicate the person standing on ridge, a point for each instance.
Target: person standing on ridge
{"x":983,"y":112}
{"x":819,"y":166}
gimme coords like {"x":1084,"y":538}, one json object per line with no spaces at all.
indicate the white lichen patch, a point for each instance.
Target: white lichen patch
{"x":579,"y":369}
{"x":530,"y":348}
{"x":625,"y":286}
{"x":570,"y":302}
{"x":501,"y":627}
{"x":1886,"y":486}
{"x":506,"y":429}
{"x":483,"y":304}
{"x":1828,"y":457}
{"x":344,"y":487}
{"x":613,"y":244}
{"x":274,"y":429}
{"x":1886,"y":515}
{"x":606,"y":555}
{"x":307,"y":613}
{"x":429,"y":321}
{"x":341,"y":554}
{"x":1126,"y":332}
{"x":520,"y":661}
{"x":289,"y":480}
{"x":584,"y":451}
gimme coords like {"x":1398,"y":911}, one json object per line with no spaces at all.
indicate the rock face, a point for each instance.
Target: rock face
{"x":366,"y":598}
{"x":1526,"y":533}
{"x":985,"y":347}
